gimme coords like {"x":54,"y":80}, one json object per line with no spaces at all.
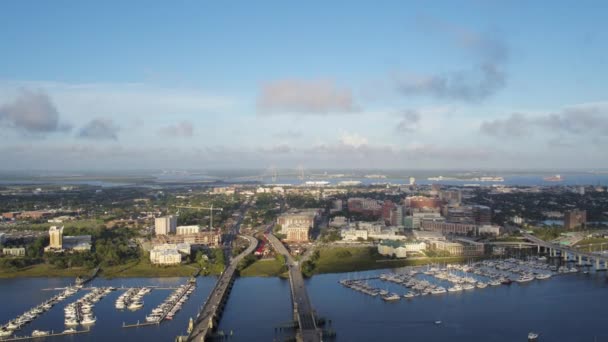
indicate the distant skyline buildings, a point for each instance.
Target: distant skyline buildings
{"x":464,"y":84}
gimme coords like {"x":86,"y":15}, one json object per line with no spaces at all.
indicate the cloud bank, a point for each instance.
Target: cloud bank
{"x":304,"y":96}
{"x":32,"y":112}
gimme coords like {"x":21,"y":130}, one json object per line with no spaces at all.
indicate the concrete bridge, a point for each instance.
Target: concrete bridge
{"x":209,"y":317}
{"x":565,"y":251}
{"x":302,"y":307}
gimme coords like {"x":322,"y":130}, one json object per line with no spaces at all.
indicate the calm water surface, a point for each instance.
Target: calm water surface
{"x":564,"y":308}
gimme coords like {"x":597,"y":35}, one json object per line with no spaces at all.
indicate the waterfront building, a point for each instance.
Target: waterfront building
{"x":469,"y":248}
{"x":55,"y":238}
{"x":60,"y":243}
{"x":185,"y":230}
{"x":449,"y":227}
{"x":399,"y":249}
{"x":14,"y":251}
{"x":165,"y":225}
{"x":165,"y":257}
{"x":575,"y":218}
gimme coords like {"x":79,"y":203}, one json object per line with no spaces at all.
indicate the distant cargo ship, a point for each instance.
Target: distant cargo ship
{"x":316,"y":183}
{"x":349,"y":183}
{"x":491,"y":179}
{"x":556,"y":178}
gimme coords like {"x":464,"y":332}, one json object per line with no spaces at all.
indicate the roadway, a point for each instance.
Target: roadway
{"x":207,"y":317}
{"x":308,"y":331}
{"x":569,"y":250}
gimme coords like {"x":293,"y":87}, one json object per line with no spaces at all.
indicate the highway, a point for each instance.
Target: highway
{"x":208,"y":317}
{"x":569,"y":250}
{"x":308,"y":331}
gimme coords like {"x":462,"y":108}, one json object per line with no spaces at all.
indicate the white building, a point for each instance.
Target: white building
{"x":185,"y":230}
{"x":165,"y":257}
{"x":353,"y":234}
{"x":15,"y":251}
{"x":418,"y":217}
{"x":400,"y":249}
{"x":165,"y":225}
{"x":489,"y":230}
{"x":169,"y":253}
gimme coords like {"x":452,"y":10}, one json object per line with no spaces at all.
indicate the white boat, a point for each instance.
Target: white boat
{"x":39,"y":333}
{"x":481,"y":285}
{"x":455,"y":288}
{"x":439,"y":290}
{"x":5,"y":333}
{"x":71,"y":322}
{"x":69,"y":331}
{"x":543,"y":276}
{"x":136,"y":305}
{"x":88,"y":320}
{"x":391,"y":297}
{"x":525,"y":278}
{"x":409,"y":295}
{"x":468,"y":287}
{"x":532,"y":336}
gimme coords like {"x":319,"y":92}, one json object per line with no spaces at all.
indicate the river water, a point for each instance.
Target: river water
{"x":564,"y":308}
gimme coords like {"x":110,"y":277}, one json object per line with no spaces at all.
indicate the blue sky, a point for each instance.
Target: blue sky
{"x":389,"y":84}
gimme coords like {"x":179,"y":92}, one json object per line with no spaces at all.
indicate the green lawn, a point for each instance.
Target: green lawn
{"x":264,"y":268}
{"x":44,"y":270}
{"x":350,"y":259}
{"x":143,"y":268}
{"x":588,"y":241}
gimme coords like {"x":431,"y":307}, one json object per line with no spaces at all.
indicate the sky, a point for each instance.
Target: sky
{"x":478,"y":84}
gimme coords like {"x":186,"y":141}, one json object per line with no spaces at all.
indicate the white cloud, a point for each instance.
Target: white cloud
{"x":352,"y":139}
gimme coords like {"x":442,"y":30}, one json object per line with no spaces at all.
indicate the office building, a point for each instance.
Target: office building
{"x":165,"y":225}
{"x":575,"y":219}
{"x":185,"y":230}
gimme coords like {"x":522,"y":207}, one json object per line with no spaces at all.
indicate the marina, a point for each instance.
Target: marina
{"x":80,"y":312}
{"x":16,"y":324}
{"x":169,"y":307}
{"x":454,"y":278}
{"x":132,"y":298}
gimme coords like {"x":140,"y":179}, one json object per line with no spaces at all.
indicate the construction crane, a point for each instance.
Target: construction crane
{"x":211,"y":209}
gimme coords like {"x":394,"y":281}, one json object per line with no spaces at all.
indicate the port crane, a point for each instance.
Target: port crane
{"x":211,"y":209}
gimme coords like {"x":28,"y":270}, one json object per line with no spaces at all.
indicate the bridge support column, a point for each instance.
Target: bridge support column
{"x":565,"y":254}
{"x":580,"y":260}
{"x":537,"y":249}
{"x":597,"y":264}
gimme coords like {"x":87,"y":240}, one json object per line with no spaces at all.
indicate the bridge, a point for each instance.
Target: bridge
{"x":302,"y":307}
{"x":209,"y":317}
{"x":566,"y":251}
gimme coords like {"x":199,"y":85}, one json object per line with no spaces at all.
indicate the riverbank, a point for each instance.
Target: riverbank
{"x":352,"y":259}
{"x":133,"y":269}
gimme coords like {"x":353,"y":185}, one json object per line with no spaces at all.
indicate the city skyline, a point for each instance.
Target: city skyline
{"x":468,"y":85}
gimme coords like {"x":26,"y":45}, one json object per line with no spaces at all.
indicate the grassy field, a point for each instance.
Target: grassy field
{"x":264,"y":268}
{"x":339,"y":260}
{"x":588,"y":241}
{"x":143,"y":268}
{"x":44,"y":270}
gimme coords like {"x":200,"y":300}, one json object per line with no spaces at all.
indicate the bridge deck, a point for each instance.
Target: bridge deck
{"x":205,"y":320}
{"x":308,"y":331}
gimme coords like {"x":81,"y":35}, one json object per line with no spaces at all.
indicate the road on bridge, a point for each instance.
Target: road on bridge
{"x":205,"y":319}
{"x":306,"y":317}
